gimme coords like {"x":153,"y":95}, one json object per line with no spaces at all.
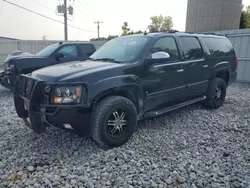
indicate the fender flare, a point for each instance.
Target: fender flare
{"x":126,"y":85}
{"x":222,"y":67}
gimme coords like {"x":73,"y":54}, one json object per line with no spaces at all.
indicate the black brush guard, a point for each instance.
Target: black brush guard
{"x":28,"y":93}
{"x":31,"y":102}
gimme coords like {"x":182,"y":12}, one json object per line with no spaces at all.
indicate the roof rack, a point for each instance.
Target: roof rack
{"x":206,"y":33}
{"x":176,"y":31}
{"x":165,"y":31}
{"x":171,"y":31}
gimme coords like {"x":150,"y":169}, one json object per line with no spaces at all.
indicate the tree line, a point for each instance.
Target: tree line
{"x":158,"y":24}
{"x":245,"y":17}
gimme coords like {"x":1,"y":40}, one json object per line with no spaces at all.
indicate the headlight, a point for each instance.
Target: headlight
{"x":66,"y":95}
{"x":10,"y":67}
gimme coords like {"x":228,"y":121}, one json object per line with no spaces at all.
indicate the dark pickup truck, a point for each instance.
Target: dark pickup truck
{"x":22,"y":63}
{"x":128,"y":79}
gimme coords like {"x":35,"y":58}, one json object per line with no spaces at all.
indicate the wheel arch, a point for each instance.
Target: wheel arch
{"x":223,"y":74}
{"x":131,"y":93}
{"x":127,"y":86}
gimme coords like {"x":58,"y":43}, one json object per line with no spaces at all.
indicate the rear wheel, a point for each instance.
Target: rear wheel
{"x":216,"y":93}
{"x":113,"y":121}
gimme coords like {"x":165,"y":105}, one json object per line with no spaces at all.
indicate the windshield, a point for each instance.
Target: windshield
{"x":124,"y":49}
{"x":48,"y":50}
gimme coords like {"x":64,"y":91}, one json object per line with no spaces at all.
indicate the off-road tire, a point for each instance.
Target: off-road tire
{"x":210,"y":101}
{"x":101,"y":116}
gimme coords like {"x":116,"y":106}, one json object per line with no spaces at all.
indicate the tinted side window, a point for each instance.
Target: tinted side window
{"x":191,"y":48}
{"x":166,"y":44}
{"x":69,"y":51}
{"x":86,"y":49}
{"x":219,"y":47}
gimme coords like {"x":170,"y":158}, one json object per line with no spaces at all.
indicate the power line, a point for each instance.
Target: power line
{"x":82,"y":12}
{"x":87,"y":6}
{"x":44,"y":6}
{"x":46,"y":16}
{"x":50,"y":9}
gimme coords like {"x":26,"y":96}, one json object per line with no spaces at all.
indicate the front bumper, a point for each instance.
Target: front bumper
{"x":7,"y":79}
{"x":34,"y":108}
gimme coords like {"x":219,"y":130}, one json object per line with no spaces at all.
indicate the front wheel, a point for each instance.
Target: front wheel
{"x":113,"y":121}
{"x":216,"y":93}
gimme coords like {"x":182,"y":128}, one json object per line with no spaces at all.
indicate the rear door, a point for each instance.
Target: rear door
{"x":195,"y":65}
{"x":85,"y":51}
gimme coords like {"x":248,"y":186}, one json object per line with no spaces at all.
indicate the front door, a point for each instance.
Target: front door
{"x":70,"y":53}
{"x":196,"y":66}
{"x":163,"y":81}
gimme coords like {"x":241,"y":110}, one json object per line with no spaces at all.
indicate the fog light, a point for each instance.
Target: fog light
{"x":67,"y":126}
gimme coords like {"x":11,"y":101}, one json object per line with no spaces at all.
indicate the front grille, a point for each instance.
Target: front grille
{"x":5,"y":66}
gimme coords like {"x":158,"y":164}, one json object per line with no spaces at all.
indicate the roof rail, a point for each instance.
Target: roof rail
{"x":176,"y":31}
{"x":170,"y":31}
{"x":165,"y":31}
{"x":207,"y":33}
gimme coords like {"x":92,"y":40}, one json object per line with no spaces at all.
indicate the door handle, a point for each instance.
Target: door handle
{"x":205,"y":66}
{"x":180,"y":70}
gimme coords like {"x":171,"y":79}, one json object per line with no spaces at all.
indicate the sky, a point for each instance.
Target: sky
{"x":18,"y":23}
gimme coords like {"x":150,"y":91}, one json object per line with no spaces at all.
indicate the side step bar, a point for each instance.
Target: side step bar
{"x":171,"y":108}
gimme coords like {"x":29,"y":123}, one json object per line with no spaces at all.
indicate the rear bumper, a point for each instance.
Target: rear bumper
{"x":41,"y":114}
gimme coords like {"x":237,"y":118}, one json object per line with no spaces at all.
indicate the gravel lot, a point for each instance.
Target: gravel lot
{"x":191,"y":147}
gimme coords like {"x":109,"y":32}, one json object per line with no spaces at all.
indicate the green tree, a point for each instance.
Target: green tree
{"x":110,"y":37}
{"x":96,"y":39}
{"x":134,"y":32}
{"x":245,"y":18}
{"x":160,"y":23}
{"x":125,"y":29}
{"x":44,"y":37}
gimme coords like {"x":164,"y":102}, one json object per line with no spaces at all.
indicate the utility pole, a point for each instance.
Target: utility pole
{"x":65,"y":11}
{"x":98,"y":28}
{"x":65,"y":20}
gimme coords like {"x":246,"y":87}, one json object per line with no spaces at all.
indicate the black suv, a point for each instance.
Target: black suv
{"x":23,"y":63}
{"x":126,"y":80}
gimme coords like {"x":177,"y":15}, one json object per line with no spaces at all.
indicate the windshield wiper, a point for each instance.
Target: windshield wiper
{"x":105,"y":59}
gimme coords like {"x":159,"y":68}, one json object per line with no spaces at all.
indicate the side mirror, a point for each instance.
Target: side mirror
{"x":58,"y":56}
{"x":157,"y":57}
{"x":160,"y":55}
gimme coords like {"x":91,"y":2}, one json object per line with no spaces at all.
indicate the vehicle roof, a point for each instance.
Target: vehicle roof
{"x":159,"y":34}
{"x":75,"y":42}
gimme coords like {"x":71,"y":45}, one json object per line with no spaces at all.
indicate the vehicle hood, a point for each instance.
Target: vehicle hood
{"x":18,"y":55}
{"x":67,"y":71}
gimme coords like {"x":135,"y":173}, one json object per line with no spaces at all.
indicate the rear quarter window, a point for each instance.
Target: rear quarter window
{"x":219,"y":47}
